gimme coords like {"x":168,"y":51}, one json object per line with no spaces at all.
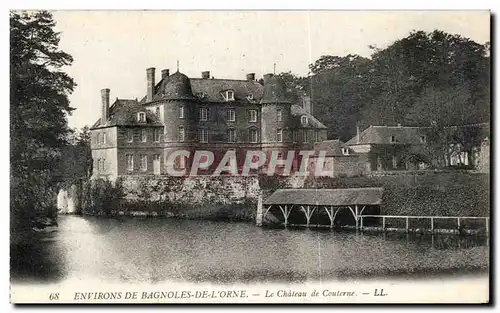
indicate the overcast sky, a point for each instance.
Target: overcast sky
{"x":112,"y":49}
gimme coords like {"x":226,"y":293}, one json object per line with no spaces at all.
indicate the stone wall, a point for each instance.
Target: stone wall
{"x":197,"y":190}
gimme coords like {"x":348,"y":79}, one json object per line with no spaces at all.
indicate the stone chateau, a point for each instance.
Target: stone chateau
{"x":134,"y":137}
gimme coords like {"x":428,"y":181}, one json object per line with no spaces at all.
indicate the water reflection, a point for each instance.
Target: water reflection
{"x":157,"y":250}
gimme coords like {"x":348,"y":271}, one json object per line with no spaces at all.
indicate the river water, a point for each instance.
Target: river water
{"x":135,"y":250}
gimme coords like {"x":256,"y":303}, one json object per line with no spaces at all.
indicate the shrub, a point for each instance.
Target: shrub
{"x":102,"y":196}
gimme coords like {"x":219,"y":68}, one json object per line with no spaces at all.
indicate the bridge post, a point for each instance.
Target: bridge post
{"x":331,"y":216}
{"x":260,"y":214}
{"x":308,"y":216}
{"x":356,"y":215}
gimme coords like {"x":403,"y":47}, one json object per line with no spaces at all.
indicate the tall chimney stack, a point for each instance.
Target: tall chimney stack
{"x":357,"y":133}
{"x":150,"y":74}
{"x":306,"y":104}
{"x":251,"y":76}
{"x":165,"y":73}
{"x":205,"y":74}
{"x":104,"y":105}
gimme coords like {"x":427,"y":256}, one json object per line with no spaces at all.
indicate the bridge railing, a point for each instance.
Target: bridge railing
{"x":407,"y":218}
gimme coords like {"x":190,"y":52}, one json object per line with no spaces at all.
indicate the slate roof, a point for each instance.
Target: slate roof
{"x":332,"y":147}
{"x":382,"y":135}
{"x":312,"y":122}
{"x":334,"y":197}
{"x":176,"y":86}
{"x":207,"y":90}
{"x":123,"y":112}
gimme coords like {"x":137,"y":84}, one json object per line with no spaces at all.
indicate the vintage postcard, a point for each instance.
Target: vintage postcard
{"x":250,"y":156}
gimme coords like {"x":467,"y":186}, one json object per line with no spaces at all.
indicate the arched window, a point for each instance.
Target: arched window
{"x":141,"y":117}
{"x":303,"y":119}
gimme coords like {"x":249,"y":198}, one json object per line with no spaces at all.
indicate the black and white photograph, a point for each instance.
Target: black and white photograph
{"x":226,"y":156}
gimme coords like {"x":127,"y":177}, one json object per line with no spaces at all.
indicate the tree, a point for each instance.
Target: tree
{"x":76,"y":158}
{"x":39,"y":92}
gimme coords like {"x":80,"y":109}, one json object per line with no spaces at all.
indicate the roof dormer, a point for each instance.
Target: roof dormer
{"x":228,"y":95}
{"x":141,"y":117}
{"x":304,"y":120}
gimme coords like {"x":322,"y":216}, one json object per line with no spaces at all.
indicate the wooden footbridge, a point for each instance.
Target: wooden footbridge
{"x":356,"y":201}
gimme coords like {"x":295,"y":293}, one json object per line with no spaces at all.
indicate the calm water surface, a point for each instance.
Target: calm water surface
{"x":156,"y":250}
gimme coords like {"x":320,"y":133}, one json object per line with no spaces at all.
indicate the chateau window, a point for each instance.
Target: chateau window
{"x":304,"y":135}
{"x":231,"y":115}
{"x":181,"y":134}
{"x":104,"y":138}
{"x":316,"y":136}
{"x":181,"y":111}
{"x":393,"y":138}
{"x":294,"y":135}
{"x":254,"y":136}
{"x":394,"y":162}
{"x":279,"y":135}
{"x":423,"y":139}
{"x":345,"y":151}
{"x":130,"y":162}
{"x":158,"y":112}
{"x":141,"y":117}
{"x":103,"y":162}
{"x":144,"y":135}
{"x":279,"y":115}
{"x":229,"y":95}
{"x":231,"y":135}
{"x":252,"y":116}
{"x":303,"y":119}
{"x":144,"y":162}
{"x":203,"y":135}
{"x":157,"y":134}
{"x":130,"y":135}
{"x":203,"y":114}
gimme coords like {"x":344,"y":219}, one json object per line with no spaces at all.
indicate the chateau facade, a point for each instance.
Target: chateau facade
{"x":135,"y":137}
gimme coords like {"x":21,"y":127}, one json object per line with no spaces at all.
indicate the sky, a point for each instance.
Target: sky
{"x":112,"y":49}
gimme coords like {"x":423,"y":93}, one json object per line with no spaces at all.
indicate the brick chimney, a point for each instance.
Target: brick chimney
{"x":205,"y":74}
{"x":251,"y":76}
{"x":165,"y":73}
{"x":104,"y":105}
{"x":306,"y":104}
{"x":150,"y":75}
